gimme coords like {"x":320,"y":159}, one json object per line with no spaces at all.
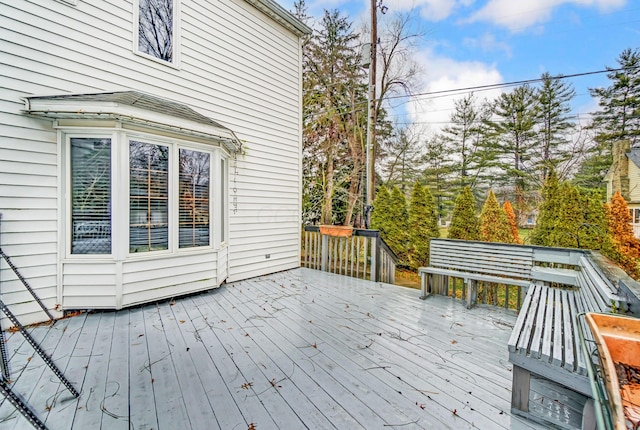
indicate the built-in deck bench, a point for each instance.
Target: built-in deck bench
{"x":497,"y":263}
{"x":545,"y":338}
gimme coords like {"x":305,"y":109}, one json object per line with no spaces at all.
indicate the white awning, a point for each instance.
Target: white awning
{"x":136,"y":108}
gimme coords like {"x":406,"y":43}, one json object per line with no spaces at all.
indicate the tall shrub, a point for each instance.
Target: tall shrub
{"x":464,"y":221}
{"x":626,"y":246}
{"x":513,"y":224}
{"x":494,"y":225}
{"x":398,"y":234}
{"x":548,"y":212}
{"x":423,"y":224}
{"x":380,"y":216}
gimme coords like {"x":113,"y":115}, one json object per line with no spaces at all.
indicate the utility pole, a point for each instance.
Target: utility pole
{"x":371,"y":117}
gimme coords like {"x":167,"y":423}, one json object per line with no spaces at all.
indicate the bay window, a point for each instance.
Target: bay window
{"x":166,"y":183}
{"x":90,"y":160}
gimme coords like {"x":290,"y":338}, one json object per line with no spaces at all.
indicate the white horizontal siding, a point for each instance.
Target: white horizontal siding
{"x":634,"y":182}
{"x":168,"y":277}
{"x":236,"y":66}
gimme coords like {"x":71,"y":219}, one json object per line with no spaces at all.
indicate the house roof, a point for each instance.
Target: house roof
{"x":135,"y":107}
{"x":634,"y":155}
{"x":280,"y":15}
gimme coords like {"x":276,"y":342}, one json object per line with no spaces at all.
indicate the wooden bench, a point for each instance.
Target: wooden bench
{"x":476,"y":261}
{"x":545,"y":338}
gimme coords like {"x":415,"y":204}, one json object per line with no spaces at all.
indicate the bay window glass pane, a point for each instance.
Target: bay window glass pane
{"x":148,"y":197}
{"x":155,"y":28}
{"x":194,"y":182}
{"x":90,"y":196}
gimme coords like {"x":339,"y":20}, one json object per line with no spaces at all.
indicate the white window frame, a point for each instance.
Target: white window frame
{"x":120,"y":197}
{"x":175,"y":62}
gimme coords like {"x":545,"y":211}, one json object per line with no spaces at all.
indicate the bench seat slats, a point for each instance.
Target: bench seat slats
{"x":518,"y":327}
{"x":539,"y":323}
{"x":570,"y":341}
{"x":524,"y":340}
{"x":558,"y":340}
{"x":548,"y":346}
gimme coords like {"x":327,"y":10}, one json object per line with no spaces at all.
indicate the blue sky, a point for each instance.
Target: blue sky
{"x":477,"y":42}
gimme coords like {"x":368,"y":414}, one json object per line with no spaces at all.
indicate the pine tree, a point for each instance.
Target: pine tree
{"x":398,"y":233}
{"x":423,"y":224}
{"x":555,"y":124}
{"x":619,"y":117}
{"x":515,"y":118}
{"x":626,"y":246}
{"x":511,"y":217}
{"x":494,"y":225}
{"x":464,"y":221}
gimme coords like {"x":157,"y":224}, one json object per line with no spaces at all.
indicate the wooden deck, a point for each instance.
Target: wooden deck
{"x":292,"y":350}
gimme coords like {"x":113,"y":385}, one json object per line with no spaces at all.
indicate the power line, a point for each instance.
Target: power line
{"x":508,"y":84}
{"x":429,"y":95}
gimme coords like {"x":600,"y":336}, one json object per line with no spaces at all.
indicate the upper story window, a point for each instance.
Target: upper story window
{"x":157,"y":29}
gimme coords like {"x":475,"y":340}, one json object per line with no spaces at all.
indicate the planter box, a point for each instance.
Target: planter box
{"x":618,"y":342}
{"x":336,"y":230}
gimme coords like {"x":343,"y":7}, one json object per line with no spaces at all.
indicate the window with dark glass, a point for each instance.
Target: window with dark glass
{"x":155,"y":28}
{"x":90,"y":195}
{"x":148,"y":197}
{"x":194,"y":182}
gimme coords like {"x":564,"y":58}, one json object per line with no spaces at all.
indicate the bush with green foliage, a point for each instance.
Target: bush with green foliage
{"x":464,"y":221}
{"x":398,"y":233}
{"x":494,"y":225}
{"x":423,"y":225}
{"x":380,"y":214}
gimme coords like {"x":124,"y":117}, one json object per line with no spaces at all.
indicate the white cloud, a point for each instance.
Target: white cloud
{"x":442,"y":74}
{"x":522,"y":14}
{"x":430,"y":10}
{"x":487,"y":43}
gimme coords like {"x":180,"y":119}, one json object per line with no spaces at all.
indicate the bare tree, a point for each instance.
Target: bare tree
{"x":155,"y":28}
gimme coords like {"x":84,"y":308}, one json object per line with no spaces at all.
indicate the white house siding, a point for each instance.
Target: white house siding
{"x":237,"y":66}
{"x":634,"y":182}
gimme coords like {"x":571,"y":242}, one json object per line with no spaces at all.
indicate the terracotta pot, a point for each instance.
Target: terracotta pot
{"x":336,"y":230}
{"x":618,"y":342}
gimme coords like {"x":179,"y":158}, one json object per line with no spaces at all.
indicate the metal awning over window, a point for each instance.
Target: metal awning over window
{"x":133,"y":107}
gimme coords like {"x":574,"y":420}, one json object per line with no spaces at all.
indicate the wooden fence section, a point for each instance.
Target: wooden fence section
{"x":363,"y":255}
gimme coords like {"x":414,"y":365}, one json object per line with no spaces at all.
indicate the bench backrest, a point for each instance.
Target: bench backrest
{"x":597,"y":292}
{"x":482,"y":257}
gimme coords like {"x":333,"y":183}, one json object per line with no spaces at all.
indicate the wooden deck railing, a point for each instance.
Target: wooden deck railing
{"x":555,"y":266}
{"x":363,"y":255}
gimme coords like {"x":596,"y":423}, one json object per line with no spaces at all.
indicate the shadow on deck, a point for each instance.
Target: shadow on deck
{"x":296,"y":349}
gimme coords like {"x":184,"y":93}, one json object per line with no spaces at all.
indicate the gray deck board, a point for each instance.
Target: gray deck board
{"x":296,"y":349}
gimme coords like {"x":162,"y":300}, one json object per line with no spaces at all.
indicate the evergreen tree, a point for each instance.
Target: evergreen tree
{"x":555,"y":124}
{"x":626,"y":247}
{"x":548,"y":212}
{"x":619,"y":117}
{"x":423,"y":224}
{"x":333,"y":132}
{"x":398,"y":233}
{"x":494,"y":225}
{"x":467,"y":138}
{"x":513,"y":225}
{"x":515,"y":118}
{"x":437,"y":174}
{"x":380,"y":217}
{"x":464,"y":221}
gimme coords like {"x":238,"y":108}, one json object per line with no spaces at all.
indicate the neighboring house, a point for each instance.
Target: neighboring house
{"x":150,"y":148}
{"x":624,"y":176}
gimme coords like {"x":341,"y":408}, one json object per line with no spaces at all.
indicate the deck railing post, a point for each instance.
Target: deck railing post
{"x":324,"y":253}
{"x":375,"y":251}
